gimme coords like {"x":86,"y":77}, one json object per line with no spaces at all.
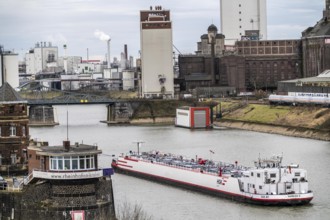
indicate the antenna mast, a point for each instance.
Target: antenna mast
{"x":67,"y":123}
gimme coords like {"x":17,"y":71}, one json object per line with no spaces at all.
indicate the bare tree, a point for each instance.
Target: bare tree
{"x":127,"y":211}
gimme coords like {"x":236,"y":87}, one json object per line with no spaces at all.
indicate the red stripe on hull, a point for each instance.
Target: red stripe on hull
{"x":130,"y":159}
{"x":124,"y":165}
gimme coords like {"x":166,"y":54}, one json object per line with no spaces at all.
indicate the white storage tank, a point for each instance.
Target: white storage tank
{"x":193,"y":117}
{"x":10,"y":67}
{"x":128,"y":80}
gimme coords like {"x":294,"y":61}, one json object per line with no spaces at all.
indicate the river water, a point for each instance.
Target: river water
{"x":167,"y":202}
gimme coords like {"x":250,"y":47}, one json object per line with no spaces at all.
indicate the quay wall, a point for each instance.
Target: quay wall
{"x":57,"y":199}
{"x":276,"y":129}
{"x":305,"y":122}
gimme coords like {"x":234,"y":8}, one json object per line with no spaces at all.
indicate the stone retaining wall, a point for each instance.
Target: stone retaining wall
{"x":54,"y":200}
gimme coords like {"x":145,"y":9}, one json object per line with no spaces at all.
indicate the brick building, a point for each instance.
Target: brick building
{"x":64,"y":182}
{"x":316,"y":45}
{"x":254,"y":65}
{"x":14,"y":131}
{"x":267,"y":62}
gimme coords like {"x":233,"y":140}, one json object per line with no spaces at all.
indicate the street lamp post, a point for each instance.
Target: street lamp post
{"x":212,"y":33}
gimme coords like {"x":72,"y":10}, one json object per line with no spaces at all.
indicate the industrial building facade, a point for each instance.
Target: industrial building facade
{"x":243,"y":18}
{"x":316,"y":45}
{"x":255,"y":65}
{"x":41,"y":56}
{"x":156,"y":53}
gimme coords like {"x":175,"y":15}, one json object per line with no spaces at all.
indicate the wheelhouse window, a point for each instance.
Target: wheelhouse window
{"x":72,"y":162}
{"x":273,"y":175}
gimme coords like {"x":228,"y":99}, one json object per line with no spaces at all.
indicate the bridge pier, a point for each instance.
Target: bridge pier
{"x":118,"y":113}
{"x":111,"y":112}
{"x":41,"y":115}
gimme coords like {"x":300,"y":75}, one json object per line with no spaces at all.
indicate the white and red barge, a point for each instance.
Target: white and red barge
{"x":268,"y":183}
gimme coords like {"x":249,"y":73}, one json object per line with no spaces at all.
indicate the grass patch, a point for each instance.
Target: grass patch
{"x":260,"y":113}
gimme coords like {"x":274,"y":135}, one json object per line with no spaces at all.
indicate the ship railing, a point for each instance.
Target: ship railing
{"x":194,"y":169}
{"x":227,"y":168}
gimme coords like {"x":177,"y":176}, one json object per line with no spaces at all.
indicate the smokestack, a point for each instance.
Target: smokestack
{"x":87,"y":55}
{"x":125,"y":49}
{"x":65,"y":60}
{"x":109,"y":61}
{"x":104,"y":37}
{"x":66,"y":145}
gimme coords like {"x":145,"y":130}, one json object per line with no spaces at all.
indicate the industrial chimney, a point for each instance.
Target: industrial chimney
{"x":66,"y":145}
{"x":108,"y":61}
{"x":125,"y":49}
{"x":65,"y":60}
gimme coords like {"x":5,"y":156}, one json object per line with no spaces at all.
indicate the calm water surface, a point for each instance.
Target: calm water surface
{"x":167,"y":202}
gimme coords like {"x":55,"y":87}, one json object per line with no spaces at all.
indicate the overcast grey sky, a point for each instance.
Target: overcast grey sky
{"x":24,"y":22}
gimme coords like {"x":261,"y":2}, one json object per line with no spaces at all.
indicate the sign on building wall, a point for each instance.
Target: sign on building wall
{"x":78,"y":215}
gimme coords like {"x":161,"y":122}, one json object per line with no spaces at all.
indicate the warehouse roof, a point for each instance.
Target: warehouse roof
{"x":323,"y":77}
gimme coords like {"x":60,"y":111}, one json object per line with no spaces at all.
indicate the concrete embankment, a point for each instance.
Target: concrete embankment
{"x":258,"y":127}
{"x":304,"y":121}
{"x":157,"y":120}
{"x":276,"y":129}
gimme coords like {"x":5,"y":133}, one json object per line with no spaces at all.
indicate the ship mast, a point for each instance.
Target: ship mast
{"x":138,"y":144}
{"x":279,"y":171}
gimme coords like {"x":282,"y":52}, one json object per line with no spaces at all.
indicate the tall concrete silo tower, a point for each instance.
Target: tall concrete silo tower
{"x":243,"y":19}
{"x":156,"y":53}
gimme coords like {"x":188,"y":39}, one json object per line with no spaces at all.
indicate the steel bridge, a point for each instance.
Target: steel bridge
{"x":48,"y":96}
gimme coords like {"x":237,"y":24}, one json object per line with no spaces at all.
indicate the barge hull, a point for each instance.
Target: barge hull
{"x":213,"y":192}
